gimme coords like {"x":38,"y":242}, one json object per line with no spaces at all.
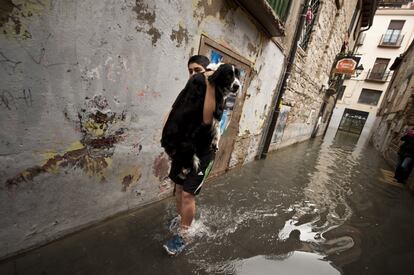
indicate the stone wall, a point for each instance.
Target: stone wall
{"x":311,"y":69}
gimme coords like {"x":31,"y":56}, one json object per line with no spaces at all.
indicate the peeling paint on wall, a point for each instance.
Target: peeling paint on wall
{"x":146,"y":19}
{"x":161,"y":166}
{"x":93,"y":153}
{"x":180,"y":35}
{"x":203,"y":9}
{"x":13,"y":11}
{"x":130,"y":177}
{"x":240,"y":151}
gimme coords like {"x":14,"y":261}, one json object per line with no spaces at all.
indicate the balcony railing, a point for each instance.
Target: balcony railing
{"x":392,"y":3}
{"x":391,"y":41}
{"x":281,"y":7}
{"x":377,"y":76}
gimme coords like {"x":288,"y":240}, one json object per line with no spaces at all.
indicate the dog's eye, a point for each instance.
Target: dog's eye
{"x":237,"y":72}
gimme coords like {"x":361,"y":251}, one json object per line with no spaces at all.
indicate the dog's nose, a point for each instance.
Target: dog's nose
{"x":235,"y":87}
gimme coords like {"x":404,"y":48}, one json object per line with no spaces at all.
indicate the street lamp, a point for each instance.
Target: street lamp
{"x":359,"y":69}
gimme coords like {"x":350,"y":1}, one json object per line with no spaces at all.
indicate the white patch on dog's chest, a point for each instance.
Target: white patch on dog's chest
{"x":215,"y":129}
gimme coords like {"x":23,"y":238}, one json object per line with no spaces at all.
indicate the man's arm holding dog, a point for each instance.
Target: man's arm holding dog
{"x":209,"y":100}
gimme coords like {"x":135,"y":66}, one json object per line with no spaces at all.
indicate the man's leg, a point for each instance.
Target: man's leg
{"x":399,"y":170}
{"x":407,"y":165}
{"x":178,"y":198}
{"x":188,"y":210}
{"x":179,"y":241}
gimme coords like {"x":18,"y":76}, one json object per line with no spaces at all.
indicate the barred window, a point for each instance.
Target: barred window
{"x":281,"y":8}
{"x":310,"y":19}
{"x":370,"y":97}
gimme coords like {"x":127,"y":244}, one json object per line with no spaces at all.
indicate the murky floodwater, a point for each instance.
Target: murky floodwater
{"x":319,"y":207}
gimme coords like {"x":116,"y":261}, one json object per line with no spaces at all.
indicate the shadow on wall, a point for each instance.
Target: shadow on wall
{"x":101,"y":130}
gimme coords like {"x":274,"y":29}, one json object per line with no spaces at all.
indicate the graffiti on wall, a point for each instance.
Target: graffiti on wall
{"x":101,"y":129}
{"x":10,"y":100}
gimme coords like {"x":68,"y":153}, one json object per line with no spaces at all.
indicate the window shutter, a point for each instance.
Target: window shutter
{"x":396,"y":25}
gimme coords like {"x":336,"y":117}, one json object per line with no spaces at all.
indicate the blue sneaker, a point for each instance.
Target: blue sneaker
{"x":174,"y":224}
{"x":175,"y":245}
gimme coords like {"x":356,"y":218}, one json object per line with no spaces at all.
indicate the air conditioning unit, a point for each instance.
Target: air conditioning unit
{"x":361,"y":39}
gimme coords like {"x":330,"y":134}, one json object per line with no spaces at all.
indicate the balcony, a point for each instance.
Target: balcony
{"x":393,"y":41}
{"x":281,"y":7}
{"x":269,"y":13}
{"x":375,"y":76}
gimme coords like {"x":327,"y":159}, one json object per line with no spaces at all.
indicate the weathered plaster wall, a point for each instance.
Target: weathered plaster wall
{"x":85,"y":89}
{"x":304,"y":93}
{"x":257,"y":105}
{"x":396,"y":114}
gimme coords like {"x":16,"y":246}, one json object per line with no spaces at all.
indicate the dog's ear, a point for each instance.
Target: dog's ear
{"x":215,"y":76}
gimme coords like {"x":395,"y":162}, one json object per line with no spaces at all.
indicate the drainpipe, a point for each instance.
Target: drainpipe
{"x":290,"y":61}
{"x":339,"y":81}
{"x":369,"y":26}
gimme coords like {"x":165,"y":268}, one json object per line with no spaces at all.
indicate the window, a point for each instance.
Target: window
{"x":281,"y":7}
{"x":353,"y":121}
{"x":370,"y":97}
{"x":378,"y":72}
{"x":310,"y":18}
{"x":341,"y":92}
{"x":393,"y":35}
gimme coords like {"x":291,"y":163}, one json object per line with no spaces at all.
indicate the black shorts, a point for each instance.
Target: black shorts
{"x":193,"y":181}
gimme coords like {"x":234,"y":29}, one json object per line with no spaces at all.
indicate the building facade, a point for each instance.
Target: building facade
{"x":396,"y":113}
{"x":86,"y":86}
{"x":322,"y":39}
{"x":360,"y":96}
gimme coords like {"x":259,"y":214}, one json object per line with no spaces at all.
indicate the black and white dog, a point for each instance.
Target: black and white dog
{"x":184,"y":136}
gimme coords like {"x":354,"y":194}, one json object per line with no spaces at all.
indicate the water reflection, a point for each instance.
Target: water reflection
{"x":303,"y":204}
{"x":297,"y":263}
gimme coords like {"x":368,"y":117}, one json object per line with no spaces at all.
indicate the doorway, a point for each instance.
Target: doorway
{"x":353,"y":121}
{"x":233,"y":105}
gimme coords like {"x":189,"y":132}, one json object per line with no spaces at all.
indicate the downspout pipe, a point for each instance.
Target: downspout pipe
{"x":290,"y":61}
{"x":371,"y":21}
{"x":359,"y":33}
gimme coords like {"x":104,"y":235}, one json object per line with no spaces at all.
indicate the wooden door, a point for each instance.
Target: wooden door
{"x":234,"y":106}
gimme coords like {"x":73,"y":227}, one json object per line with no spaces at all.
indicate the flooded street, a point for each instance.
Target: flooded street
{"x":319,"y":207}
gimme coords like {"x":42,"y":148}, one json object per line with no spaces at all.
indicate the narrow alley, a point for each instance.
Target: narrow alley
{"x":319,"y":207}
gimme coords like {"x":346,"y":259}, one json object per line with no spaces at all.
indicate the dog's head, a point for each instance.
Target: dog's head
{"x":226,"y":76}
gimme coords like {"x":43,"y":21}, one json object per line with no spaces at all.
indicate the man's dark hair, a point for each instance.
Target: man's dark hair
{"x":199,"y":59}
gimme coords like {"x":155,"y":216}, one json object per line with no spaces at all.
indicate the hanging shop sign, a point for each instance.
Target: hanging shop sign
{"x":347,"y":65}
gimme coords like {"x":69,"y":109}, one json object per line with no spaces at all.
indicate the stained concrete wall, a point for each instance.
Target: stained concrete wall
{"x":85,"y":89}
{"x":311,"y":69}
